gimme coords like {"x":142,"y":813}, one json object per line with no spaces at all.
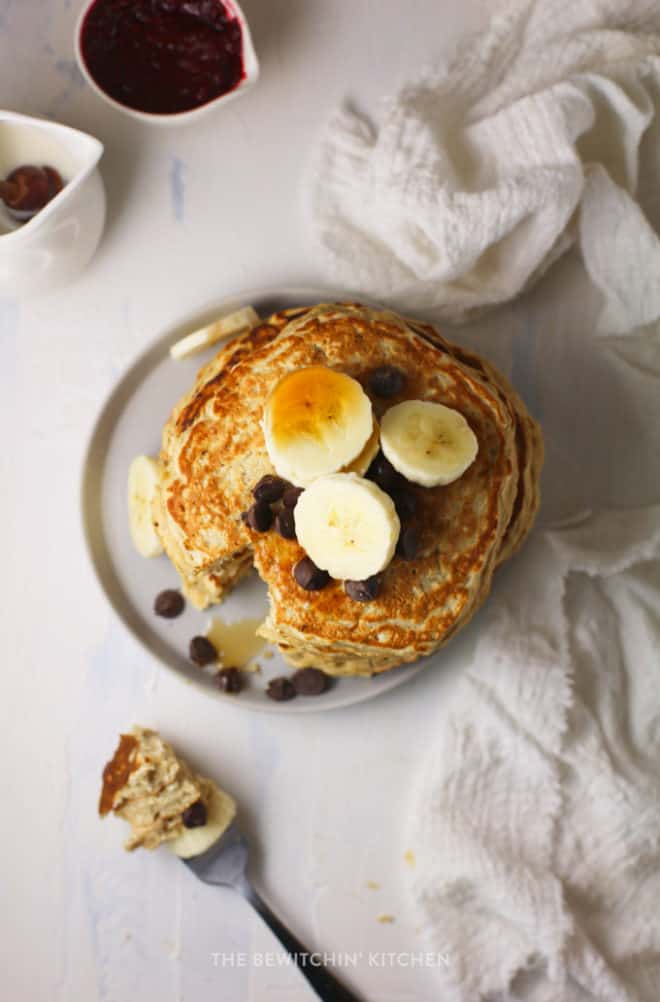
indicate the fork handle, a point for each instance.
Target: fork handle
{"x":325,"y":984}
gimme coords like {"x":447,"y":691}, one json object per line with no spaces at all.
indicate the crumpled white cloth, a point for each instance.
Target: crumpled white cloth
{"x":542,"y":132}
{"x":536,"y":826}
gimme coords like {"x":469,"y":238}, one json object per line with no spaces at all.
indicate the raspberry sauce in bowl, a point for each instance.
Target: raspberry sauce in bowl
{"x":160,"y":59}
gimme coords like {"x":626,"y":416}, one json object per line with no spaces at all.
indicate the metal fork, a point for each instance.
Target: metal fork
{"x":225,"y":864}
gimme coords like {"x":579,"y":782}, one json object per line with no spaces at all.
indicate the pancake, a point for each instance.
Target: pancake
{"x":529,"y":442}
{"x":213,"y":453}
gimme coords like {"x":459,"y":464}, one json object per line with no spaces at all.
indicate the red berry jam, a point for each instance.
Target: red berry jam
{"x":163,"y":56}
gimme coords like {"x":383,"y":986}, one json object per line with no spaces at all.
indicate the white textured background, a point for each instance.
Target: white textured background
{"x":195,"y":214}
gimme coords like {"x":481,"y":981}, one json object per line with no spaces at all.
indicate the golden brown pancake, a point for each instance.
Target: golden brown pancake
{"x":214,"y":453}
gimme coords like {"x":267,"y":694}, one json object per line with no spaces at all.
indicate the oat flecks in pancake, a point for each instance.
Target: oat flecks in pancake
{"x":214,"y":452}
{"x":147,"y":785}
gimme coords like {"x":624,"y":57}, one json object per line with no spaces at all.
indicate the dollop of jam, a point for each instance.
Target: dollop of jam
{"x":163,"y":56}
{"x":29,"y":189}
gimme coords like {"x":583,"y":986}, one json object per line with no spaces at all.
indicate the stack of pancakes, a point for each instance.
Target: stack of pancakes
{"x":214,"y":453}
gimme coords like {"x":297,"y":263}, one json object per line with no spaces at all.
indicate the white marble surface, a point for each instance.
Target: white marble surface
{"x":195,"y":214}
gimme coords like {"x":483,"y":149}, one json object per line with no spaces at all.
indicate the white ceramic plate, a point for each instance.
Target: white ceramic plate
{"x":130,"y":423}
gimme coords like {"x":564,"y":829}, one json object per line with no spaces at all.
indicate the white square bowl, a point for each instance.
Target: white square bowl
{"x":57,"y":243}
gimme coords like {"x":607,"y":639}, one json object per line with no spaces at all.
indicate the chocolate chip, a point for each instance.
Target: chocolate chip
{"x":280,"y":689}
{"x":229,"y":680}
{"x":310,"y":681}
{"x":405,"y":502}
{"x":408,"y":543}
{"x":285,"y":524}
{"x":387,"y":381}
{"x":290,"y":496}
{"x":269,"y":489}
{"x":309,"y":576}
{"x":364,"y":591}
{"x":202,"y":651}
{"x":195,"y":815}
{"x":383,"y":473}
{"x":169,"y":604}
{"x":259,"y":516}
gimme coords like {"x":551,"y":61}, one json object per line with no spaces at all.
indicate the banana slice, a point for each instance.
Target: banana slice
{"x":347,"y":525}
{"x":316,"y":421}
{"x":234,"y":323}
{"x":428,"y":443}
{"x":143,"y":479}
{"x":221,"y":811}
{"x":361,"y":463}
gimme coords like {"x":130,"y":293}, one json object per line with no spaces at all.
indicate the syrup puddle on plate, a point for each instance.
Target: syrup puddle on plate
{"x":236,"y":643}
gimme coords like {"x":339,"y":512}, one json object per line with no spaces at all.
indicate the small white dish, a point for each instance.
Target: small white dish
{"x":57,"y":243}
{"x":250,"y":66}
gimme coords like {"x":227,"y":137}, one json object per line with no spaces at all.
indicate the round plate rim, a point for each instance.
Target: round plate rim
{"x":395,"y":677}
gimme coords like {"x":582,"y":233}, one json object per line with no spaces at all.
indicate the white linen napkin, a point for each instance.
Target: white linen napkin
{"x":539,"y":134}
{"x":536,"y":827}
